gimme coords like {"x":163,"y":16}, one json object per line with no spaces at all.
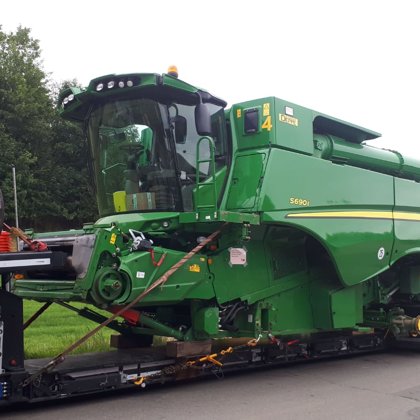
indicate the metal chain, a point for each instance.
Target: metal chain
{"x":212,"y":358}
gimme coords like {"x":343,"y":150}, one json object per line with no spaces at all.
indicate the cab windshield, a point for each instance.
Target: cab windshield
{"x":144,"y":155}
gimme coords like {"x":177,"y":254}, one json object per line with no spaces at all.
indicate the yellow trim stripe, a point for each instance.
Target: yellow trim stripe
{"x":388,"y":215}
{"x":399,"y":215}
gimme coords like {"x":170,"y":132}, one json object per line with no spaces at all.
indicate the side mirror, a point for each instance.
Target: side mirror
{"x":180,"y":128}
{"x":203,"y":120}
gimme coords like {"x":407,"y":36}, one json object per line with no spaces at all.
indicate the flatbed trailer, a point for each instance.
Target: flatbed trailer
{"x":24,"y":381}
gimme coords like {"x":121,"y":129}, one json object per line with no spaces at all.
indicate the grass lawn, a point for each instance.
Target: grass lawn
{"x":59,"y":327}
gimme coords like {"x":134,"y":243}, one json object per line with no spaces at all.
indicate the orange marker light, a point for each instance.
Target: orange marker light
{"x":173,"y":71}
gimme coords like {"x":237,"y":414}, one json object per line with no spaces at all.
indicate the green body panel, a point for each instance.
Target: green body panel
{"x":234,"y":281}
{"x":245,"y":182}
{"x":64,"y":233}
{"x":327,"y":199}
{"x":258,"y":138}
{"x":407,"y":232}
{"x":138,"y":220}
{"x":336,"y":308}
{"x":271,"y":112}
{"x":207,"y":195}
{"x":319,"y":231}
{"x":284,"y":318}
{"x":60,"y":290}
{"x":346,"y":307}
{"x":278,"y":314}
{"x":192,"y":281}
{"x":206,"y":322}
{"x":285,"y":134}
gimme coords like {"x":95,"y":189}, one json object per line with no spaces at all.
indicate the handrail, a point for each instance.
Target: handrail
{"x":210,"y":181}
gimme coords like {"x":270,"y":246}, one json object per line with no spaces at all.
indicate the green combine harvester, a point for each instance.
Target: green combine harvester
{"x":266,"y":221}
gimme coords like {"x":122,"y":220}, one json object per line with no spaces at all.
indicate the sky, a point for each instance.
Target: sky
{"x":355,"y":60}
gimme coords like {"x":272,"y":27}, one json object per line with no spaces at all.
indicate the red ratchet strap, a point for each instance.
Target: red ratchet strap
{"x":156,"y":263}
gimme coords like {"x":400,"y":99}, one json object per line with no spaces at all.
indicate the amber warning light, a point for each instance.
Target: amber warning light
{"x":173,"y":71}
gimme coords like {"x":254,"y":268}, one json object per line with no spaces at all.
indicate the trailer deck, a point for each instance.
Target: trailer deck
{"x":95,"y":373}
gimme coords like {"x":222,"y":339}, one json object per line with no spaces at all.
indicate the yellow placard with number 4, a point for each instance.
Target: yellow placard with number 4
{"x":267,"y":125}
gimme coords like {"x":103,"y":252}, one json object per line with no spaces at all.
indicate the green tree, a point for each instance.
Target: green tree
{"x":48,"y":153}
{"x":22,"y":110}
{"x":68,"y":172}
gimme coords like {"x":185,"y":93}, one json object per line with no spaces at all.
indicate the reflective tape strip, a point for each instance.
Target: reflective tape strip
{"x":26,"y":263}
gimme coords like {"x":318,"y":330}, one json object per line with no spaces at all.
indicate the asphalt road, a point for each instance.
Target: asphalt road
{"x":375,"y":386}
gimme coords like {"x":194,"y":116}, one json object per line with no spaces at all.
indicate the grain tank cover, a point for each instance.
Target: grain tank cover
{"x":324,"y":124}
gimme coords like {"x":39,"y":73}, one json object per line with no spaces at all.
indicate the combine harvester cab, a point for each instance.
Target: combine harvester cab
{"x":266,"y":221}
